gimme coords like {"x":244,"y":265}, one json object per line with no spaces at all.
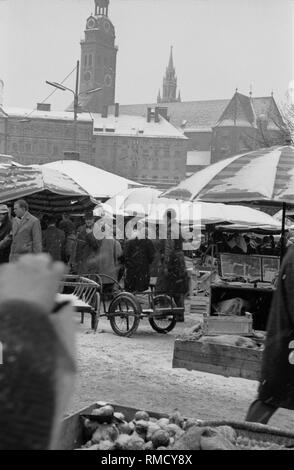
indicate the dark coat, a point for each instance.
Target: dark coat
{"x":5,"y":241}
{"x":277,"y":374}
{"x":86,"y":249}
{"x":138,"y":255}
{"x":54,"y":242}
{"x":26,"y":236}
{"x":172,"y":278}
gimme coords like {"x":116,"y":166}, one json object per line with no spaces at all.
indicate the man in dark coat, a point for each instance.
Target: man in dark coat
{"x":139,"y":253}
{"x":5,"y":234}
{"x":276,"y":388}
{"x":26,"y":232}
{"x":84,"y":250}
{"x":54,"y":240}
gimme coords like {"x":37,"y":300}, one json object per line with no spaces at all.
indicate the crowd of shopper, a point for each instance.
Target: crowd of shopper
{"x":137,"y":259}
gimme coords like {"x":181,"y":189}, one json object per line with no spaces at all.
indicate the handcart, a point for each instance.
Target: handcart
{"x":124,"y":310}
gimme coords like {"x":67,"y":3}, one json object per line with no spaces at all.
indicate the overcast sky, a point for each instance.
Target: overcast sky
{"x":218,"y":45}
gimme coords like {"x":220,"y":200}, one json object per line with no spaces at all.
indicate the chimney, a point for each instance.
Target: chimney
{"x":162,"y":110}
{"x":43,"y":107}
{"x":104,"y":113}
{"x":71,"y":155}
{"x":116,"y":110}
{"x":151,"y":114}
{"x":156,"y":116}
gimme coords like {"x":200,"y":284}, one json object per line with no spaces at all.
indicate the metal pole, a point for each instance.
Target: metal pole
{"x":76,"y":105}
{"x":283,"y":244}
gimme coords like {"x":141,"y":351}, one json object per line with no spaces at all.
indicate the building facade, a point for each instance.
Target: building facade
{"x":149,"y":150}
{"x":218,"y":129}
{"x":43,"y":136}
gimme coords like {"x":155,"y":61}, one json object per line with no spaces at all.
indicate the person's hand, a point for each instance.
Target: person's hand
{"x":33,"y":278}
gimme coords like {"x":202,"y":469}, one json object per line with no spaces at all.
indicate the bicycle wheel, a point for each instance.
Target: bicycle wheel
{"x":167,"y":323}
{"x":124,"y":314}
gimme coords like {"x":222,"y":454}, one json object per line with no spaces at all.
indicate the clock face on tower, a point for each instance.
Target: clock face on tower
{"x":106,"y":26}
{"x":87,"y":76}
{"x":91,"y":23}
{"x":108,"y":80}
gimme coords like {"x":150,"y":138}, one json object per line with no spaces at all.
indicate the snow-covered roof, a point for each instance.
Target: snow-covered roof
{"x":97,"y":182}
{"x":38,"y":114}
{"x":132,"y":125}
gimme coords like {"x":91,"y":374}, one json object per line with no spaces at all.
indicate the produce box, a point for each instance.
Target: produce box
{"x":72,"y":433}
{"x":246,"y":436}
{"x":229,"y":361}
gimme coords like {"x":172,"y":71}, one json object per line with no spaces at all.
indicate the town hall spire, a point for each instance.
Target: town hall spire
{"x":169,"y":89}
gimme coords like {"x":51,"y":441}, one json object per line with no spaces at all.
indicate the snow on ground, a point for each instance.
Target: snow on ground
{"x":138,"y":372}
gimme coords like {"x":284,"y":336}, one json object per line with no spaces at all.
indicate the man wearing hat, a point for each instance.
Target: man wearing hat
{"x":26,"y":232}
{"x":5,"y":234}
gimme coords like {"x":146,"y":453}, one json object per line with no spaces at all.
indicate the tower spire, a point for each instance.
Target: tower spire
{"x":169,"y":89}
{"x":171,"y":61}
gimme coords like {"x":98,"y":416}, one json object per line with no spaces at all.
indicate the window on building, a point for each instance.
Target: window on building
{"x":28,"y":147}
{"x":90,"y":60}
{"x":14,"y":147}
{"x":98,"y":59}
{"x":105,"y":60}
{"x":55,"y":150}
{"x":85,"y":60}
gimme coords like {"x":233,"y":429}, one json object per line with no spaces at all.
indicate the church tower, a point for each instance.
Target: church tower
{"x":169,"y":91}
{"x":98,"y":60}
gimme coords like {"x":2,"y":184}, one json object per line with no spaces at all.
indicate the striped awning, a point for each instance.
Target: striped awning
{"x":265,"y":175}
{"x":45,"y":189}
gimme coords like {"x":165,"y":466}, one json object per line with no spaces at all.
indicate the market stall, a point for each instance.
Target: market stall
{"x":44,"y":189}
{"x":239,"y":180}
{"x":99,"y":183}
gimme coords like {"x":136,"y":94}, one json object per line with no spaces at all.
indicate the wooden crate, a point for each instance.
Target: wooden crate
{"x":72,"y":432}
{"x":228,"y":325}
{"x":229,"y":361}
{"x":199,"y":304}
{"x":72,"y":437}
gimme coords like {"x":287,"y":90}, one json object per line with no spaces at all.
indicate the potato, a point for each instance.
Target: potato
{"x":106,"y":445}
{"x":132,"y":426}
{"x":173,"y":429}
{"x":227,"y":432}
{"x":124,"y":428}
{"x":148,"y":446}
{"x":141,"y":415}
{"x":177,"y":418}
{"x":135,"y":443}
{"x":152,"y":428}
{"x":101,"y":403}
{"x":119,"y":416}
{"x":122,"y":441}
{"x":141,"y":427}
{"x":160,"y":438}
{"x":163,"y":422}
{"x":105,"y":414}
{"x":105,"y":432}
